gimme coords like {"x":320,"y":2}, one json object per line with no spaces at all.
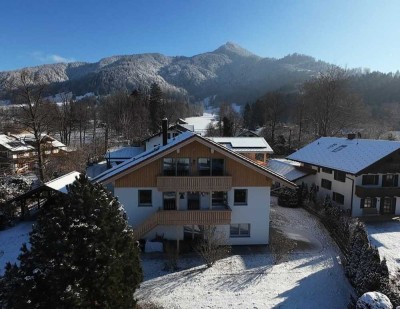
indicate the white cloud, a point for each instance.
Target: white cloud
{"x":50,"y":58}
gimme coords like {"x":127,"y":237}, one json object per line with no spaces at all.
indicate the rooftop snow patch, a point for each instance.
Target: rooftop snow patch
{"x":250,"y":144}
{"x":347,"y":155}
{"x":142,"y":157}
{"x":60,"y":183}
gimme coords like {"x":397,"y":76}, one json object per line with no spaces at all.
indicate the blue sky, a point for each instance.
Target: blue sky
{"x":348,"y":33}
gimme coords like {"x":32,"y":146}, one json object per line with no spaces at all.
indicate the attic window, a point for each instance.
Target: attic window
{"x":331,"y":146}
{"x":339,"y":148}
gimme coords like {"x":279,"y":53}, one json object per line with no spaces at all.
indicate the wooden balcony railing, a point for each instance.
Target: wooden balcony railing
{"x":194,"y":183}
{"x":364,"y":191}
{"x":184,"y":217}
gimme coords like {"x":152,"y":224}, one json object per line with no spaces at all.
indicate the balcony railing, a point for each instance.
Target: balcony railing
{"x":364,"y":191}
{"x":184,"y":217}
{"x":194,"y":183}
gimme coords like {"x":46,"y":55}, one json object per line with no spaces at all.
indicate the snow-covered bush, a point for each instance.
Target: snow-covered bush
{"x":373,"y":300}
{"x":82,"y":255}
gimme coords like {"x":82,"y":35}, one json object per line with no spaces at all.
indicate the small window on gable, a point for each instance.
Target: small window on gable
{"x":145,"y":198}
{"x":240,"y":197}
{"x":339,"y":176}
{"x":326,"y":170}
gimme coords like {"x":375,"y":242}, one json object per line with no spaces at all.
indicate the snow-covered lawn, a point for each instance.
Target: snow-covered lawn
{"x":386,"y":237}
{"x":310,"y":277}
{"x":201,"y":123}
{"x":11,"y":241}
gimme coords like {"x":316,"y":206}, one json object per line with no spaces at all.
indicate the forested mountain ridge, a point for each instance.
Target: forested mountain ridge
{"x":230,"y":72}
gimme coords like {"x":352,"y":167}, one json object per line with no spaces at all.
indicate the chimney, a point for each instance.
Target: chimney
{"x":351,"y":136}
{"x":164,"y":131}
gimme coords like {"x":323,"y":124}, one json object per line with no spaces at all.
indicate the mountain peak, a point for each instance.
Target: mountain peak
{"x":231,"y":48}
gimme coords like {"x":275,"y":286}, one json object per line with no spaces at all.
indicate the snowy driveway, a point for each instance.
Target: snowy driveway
{"x":310,"y":277}
{"x":386,"y":237}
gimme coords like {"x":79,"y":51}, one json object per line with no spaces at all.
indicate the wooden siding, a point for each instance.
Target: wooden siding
{"x":199,"y":183}
{"x":180,"y":218}
{"x":364,"y":191}
{"x":242,"y":176}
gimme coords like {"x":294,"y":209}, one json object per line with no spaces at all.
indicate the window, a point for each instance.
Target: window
{"x":240,"y":197}
{"x":145,"y":198}
{"x":327,"y":170}
{"x":368,"y":202}
{"x":176,"y":167}
{"x":219,"y":198}
{"x":182,"y":167}
{"x":169,"y":167}
{"x":338,"y":198}
{"x":390,"y":180}
{"x":240,"y":230}
{"x":339,"y":176}
{"x":210,"y":167}
{"x":370,"y":180}
{"x":327,"y":184}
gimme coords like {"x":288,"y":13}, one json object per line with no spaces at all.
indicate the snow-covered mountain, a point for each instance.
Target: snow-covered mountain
{"x":231,"y":72}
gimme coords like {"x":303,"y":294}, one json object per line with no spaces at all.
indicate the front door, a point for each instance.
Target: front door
{"x":388,"y":205}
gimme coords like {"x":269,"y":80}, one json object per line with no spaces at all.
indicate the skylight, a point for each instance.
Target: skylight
{"x":331,"y":146}
{"x":339,"y":148}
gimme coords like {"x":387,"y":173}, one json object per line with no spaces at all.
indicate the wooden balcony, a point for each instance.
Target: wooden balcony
{"x":364,"y":191}
{"x":194,"y":183}
{"x":184,"y":217}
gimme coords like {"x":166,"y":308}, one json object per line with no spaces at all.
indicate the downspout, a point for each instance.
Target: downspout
{"x":352,"y":196}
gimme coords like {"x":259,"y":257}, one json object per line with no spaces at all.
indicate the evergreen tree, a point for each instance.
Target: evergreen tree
{"x":247,"y":117}
{"x":82,"y":255}
{"x":227,"y":129}
{"x":155,"y":107}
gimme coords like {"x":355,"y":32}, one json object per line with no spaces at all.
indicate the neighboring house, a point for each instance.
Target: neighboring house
{"x":50,"y":145}
{"x":255,"y":148}
{"x":361,"y":175}
{"x":291,"y":170}
{"x":248,"y":133}
{"x":176,"y":188}
{"x":15,"y":155}
{"x":117,"y":156}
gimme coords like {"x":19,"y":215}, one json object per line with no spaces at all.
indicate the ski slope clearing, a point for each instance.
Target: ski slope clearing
{"x":310,"y":276}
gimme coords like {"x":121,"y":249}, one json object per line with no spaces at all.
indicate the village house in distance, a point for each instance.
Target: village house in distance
{"x":190,"y":181}
{"x":361,"y":175}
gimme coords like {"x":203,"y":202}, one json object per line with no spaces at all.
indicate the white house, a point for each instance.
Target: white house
{"x":176,"y":188}
{"x":361,"y":175}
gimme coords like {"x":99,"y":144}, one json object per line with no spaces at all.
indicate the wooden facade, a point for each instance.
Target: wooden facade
{"x":187,"y":217}
{"x":241,"y":175}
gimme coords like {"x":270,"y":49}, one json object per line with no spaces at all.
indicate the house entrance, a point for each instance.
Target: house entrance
{"x":388,"y":206}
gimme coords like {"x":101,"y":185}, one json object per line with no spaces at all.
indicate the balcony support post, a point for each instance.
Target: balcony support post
{"x":177,"y":200}
{"x":210,"y":199}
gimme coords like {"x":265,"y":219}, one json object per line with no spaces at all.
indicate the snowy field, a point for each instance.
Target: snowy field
{"x":201,"y":123}
{"x":11,"y":241}
{"x":310,"y":277}
{"x":386,"y":237}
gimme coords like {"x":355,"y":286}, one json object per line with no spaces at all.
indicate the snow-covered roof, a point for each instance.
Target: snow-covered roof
{"x":29,"y":137}
{"x":348,"y":155}
{"x":244,"y":144}
{"x":174,"y":142}
{"x":287,"y":168}
{"x":14,"y":144}
{"x":142,"y":156}
{"x":60,"y":183}
{"x":124,"y":153}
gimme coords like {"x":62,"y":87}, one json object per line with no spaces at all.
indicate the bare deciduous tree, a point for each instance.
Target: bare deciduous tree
{"x":214,"y":245}
{"x":35,"y":113}
{"x":330,"y":104}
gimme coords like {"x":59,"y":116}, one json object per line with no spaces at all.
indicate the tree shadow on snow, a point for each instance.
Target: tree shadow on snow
{"x":318,"y":290}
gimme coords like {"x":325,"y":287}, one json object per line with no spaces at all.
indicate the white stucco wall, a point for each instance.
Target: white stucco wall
{"x":256,"y":213}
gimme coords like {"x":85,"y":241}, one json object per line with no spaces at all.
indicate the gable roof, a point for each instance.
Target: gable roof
{"x":14,"y":144}
{"x":123,"y":153}
{"x":60,"y":184}
{"x":244,"y":144}
{"x":179,"y":141}
{"x":347,"y":155}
